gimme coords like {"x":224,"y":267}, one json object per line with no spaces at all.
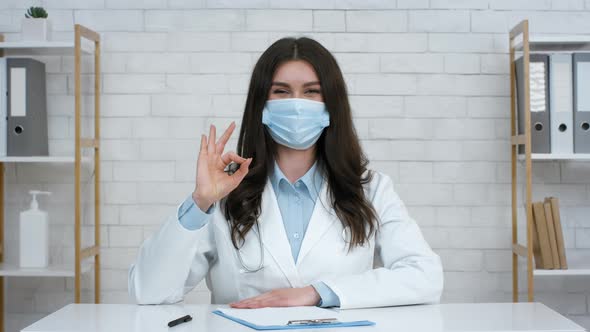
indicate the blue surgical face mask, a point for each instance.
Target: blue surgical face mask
{"x":294,"y":122}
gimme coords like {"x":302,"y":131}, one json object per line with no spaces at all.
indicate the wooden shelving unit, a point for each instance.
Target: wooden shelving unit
{"x":521,"y":41}
{"x":88,"y":42}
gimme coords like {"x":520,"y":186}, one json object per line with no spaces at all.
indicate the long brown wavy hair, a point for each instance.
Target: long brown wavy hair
{"x":338,"y":151}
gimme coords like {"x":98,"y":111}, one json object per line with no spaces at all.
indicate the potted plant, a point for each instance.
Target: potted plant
{"x":36,"y":25}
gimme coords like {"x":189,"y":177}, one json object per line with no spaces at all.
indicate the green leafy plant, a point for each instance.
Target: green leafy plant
{"x":36,"y":12}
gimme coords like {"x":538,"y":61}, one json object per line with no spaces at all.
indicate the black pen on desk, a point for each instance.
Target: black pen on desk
{"x":180,"y":320}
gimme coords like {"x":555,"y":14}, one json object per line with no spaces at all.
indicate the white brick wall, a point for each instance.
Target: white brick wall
{"x":428,"y":84}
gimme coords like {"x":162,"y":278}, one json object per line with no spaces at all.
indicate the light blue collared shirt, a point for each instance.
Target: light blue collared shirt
{"x":296,"y":202}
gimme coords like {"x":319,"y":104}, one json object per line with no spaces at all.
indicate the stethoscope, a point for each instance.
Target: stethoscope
{"x":246,"y":268}
{"x":230,"y":169}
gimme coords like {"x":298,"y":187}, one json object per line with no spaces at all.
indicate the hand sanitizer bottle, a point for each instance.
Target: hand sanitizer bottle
{"x":34,"y":235}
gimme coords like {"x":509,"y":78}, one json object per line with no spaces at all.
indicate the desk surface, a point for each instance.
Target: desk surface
{"x":432,"y":318}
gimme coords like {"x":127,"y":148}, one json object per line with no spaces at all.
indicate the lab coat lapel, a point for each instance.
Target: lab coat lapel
{"x":322,"y":218}
{"x":274,"y":236}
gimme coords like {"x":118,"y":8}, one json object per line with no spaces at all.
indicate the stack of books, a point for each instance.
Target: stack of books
{"x":548,"y":246}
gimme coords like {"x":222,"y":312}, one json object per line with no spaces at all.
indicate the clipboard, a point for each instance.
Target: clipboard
{"x":312,"y":323}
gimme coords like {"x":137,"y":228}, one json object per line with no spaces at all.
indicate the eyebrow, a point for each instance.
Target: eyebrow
{"x":287,"y":85}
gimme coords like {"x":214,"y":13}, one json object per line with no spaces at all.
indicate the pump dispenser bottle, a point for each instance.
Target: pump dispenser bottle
{"x":34,"y":235}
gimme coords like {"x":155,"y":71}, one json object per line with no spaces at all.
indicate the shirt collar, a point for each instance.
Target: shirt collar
{"x":312,"y":180}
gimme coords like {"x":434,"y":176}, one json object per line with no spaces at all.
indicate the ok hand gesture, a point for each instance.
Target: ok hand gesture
{"x":213,"y":183}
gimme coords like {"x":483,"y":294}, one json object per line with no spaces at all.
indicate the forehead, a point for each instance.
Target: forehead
{"x":295,"y":71}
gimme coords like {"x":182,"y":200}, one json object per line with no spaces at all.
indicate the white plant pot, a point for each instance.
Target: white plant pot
{"x":38,"y":29}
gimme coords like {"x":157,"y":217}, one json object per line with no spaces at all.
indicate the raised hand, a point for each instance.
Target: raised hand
{"x":212,"y":182}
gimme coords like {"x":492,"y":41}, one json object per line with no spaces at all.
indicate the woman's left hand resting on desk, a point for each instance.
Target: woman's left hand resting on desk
{"x":283,"y":297}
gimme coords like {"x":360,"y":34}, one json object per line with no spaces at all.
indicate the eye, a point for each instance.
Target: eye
{"x":312,"y":91}
{"x":279,"y":91}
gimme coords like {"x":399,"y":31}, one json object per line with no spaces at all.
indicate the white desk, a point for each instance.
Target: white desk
{"x":432,"y":318}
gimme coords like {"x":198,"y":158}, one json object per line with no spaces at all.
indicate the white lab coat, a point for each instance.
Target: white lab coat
{"x":396,"y":267}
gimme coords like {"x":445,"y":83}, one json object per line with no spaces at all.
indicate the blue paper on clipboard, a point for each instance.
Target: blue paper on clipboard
{"x":288,"y":318}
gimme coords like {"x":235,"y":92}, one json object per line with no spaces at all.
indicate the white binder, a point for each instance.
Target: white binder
{"x":561,"y":99}
{"x":3,"y":109}
{"x":540,"y":126}
{"x":581,"y":102}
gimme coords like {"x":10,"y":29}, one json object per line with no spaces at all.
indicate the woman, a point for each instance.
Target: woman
{"x":302,"y":221}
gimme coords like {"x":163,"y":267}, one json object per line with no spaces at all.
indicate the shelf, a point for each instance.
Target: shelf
{"x":577,"y":266}
{"x":568,"y":272}
{"x":11,"y":270}
{"x":557,"y":156}
{"x":22,"y":48}
{"x":38,"y":159}
{"x":556,"y":43}
{"x":43,"y":159}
